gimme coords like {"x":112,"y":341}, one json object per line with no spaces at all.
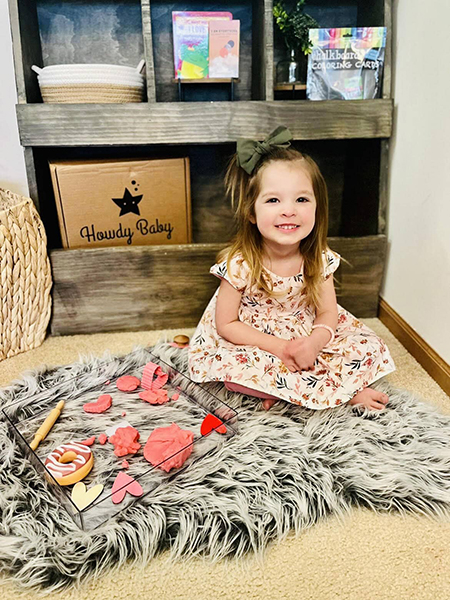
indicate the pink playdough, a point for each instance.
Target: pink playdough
{"x":175,"y":397}
{"x":125,"y":441}
{"x":124,"y":414}
{"x":89,"y":441}
{"x":151,"y":369}
{"x":128,"y":383}
{"x":103,"y":438}
{"x":164,"y":442}
{"x":154,"y":396}
{"x":123,"y":484}
{"x":125,"y":464}
{"x":99,"y":406}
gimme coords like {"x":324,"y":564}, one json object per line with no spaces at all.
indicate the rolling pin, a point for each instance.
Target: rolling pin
{"x":46,"y":425}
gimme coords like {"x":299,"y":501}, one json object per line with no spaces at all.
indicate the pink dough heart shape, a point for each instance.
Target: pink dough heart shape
{"x":125,"y":483}
{"x":99,"y":406}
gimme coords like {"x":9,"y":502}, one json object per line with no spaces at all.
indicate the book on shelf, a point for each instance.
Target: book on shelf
{"x":224,"y":48}
{"x":346,"y":63}
{"x":191,"y":42}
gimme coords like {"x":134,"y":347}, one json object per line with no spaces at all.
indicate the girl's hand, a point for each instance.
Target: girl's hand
{"x":299,"y":354}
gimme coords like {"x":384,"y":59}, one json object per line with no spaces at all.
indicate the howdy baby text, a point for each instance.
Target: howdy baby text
{"x":92,"y":235}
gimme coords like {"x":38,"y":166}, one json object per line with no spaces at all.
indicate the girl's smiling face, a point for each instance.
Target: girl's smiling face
{"x":286,"y":198}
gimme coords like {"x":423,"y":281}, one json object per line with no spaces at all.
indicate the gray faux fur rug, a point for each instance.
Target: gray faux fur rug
{"x":284,"y":470}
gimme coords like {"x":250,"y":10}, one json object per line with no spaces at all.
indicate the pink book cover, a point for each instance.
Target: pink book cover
{"x":224,"y":48}
{"x":190,"y":41}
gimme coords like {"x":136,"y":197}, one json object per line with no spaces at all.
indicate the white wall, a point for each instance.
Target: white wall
{"x":417,"y":279}
{"x":12,"y":164}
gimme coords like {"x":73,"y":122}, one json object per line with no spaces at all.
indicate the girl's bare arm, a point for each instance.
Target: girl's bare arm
{"x":232,"y":329}
{"x":327,"y":313}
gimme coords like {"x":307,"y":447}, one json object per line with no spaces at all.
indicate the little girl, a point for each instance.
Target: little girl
{"x":273,"y":329}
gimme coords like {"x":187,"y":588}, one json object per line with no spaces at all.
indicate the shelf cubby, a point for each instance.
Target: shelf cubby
{"x":250,"y":13}
{"x":352,"y":13}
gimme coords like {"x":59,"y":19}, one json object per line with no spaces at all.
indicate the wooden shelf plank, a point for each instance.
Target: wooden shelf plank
{"x":156,"y":287}
{"x":199,"y":122}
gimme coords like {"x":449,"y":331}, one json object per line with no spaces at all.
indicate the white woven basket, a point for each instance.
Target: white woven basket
{"x":91,"y":93}
{"x":88,"y":83}
{"x":25,"y":276}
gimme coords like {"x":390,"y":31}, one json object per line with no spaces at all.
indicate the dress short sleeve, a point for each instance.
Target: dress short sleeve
{"x":237,"y":276}
{"x":331,"y":261}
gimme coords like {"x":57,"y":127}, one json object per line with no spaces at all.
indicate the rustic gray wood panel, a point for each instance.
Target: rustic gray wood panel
{"x":258,"y":52}
{"x":387,"y":77}
{"x":268,"y":49}
{"x":378,"y":14}
{"x":211,"y":212}
{"x":155,"y":287}
{"x":148,"y":51}
{"x":26,"y":48}
{"x":90,"y":32}
{"x":383,"y":186}
{"x":17,"y":50}
{"x":199,"y":122}
{"x":358,"y":284}
{"x":125,"y":289}
{"x":262,"y":48}
{"x":30,"y":167}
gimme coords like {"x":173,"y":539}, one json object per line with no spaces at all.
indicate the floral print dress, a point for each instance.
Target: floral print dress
{"x":356,"y":358}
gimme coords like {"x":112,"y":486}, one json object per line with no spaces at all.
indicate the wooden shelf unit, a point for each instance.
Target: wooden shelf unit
{"x":349,"y":140}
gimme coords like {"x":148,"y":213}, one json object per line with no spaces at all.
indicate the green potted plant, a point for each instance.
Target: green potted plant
{"x":294,"y":27}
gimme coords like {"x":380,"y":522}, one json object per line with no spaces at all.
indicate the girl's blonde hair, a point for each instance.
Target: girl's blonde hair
{"x":243,"y":190}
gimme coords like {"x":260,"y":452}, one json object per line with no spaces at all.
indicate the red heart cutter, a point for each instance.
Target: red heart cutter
{"x":211,"y":422}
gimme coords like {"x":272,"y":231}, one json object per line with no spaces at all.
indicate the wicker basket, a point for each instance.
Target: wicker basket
{"x":25,"y":276}
{"x":91,"y":93}
{"x":91,"y":83}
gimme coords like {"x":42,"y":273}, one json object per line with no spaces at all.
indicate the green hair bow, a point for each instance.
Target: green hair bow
{"x":249,"y":152}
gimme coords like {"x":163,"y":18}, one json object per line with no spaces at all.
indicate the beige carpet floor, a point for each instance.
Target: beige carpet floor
{"x":366,"y":556}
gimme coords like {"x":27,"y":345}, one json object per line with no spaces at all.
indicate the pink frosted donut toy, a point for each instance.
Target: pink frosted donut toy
{"x":70,"y":463}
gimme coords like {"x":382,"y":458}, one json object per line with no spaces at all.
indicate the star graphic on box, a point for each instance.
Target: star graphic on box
{"x":128,"y":204}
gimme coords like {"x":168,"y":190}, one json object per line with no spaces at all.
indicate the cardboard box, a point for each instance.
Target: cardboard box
{"x":117,"y":202}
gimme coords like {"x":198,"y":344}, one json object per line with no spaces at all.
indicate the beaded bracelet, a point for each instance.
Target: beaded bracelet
{"x":328,"y":328}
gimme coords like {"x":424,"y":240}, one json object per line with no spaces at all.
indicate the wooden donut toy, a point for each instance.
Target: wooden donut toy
{"x":70,"y":463}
